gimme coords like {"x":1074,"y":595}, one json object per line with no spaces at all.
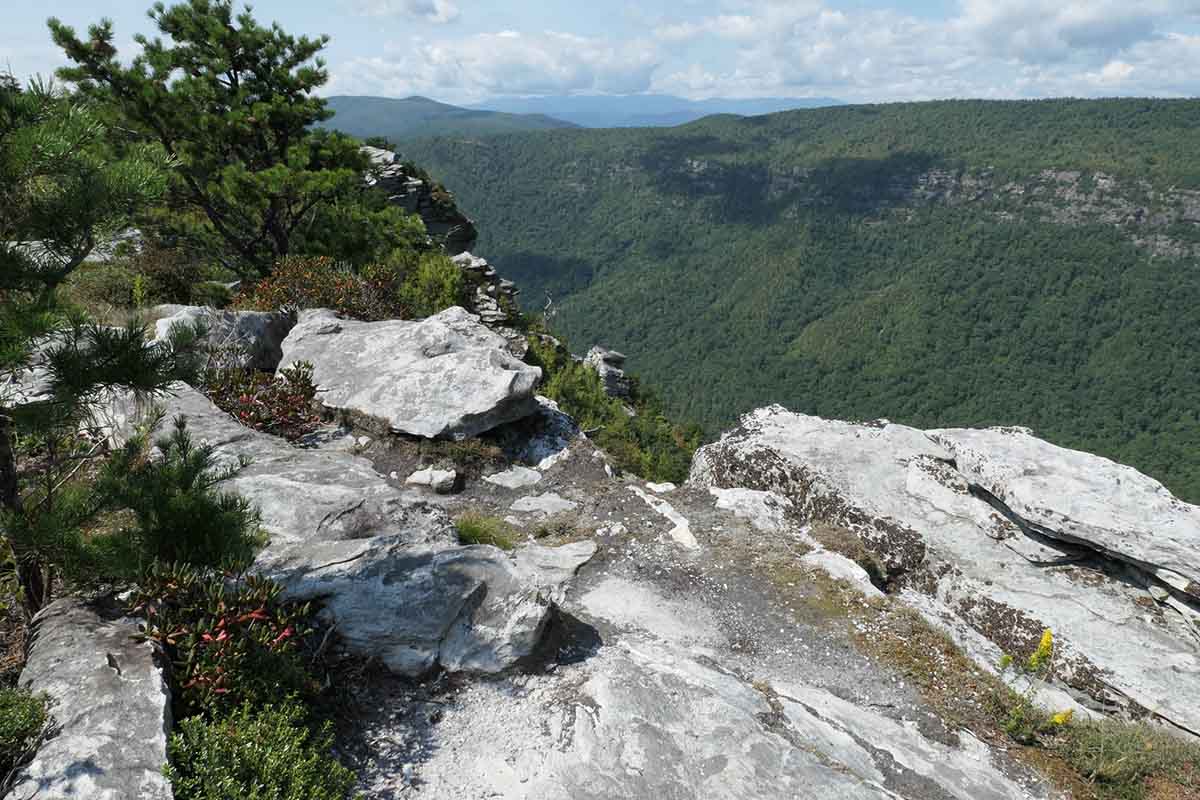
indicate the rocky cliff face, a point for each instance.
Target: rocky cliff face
{"x":736,"y":637}
{"x":417,"y":194}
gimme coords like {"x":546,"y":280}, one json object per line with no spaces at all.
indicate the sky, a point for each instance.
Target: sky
{"x":466,"y":51}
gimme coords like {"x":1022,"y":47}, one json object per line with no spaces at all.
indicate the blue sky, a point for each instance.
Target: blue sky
{"x":858,"y":50}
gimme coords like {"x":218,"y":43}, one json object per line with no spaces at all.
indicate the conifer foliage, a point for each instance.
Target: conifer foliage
{"x":231,"y":101}
{"x":62,"y":189}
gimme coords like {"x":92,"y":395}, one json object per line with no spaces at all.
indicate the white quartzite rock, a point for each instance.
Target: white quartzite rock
{"x":1084,"y":499}
{"x":899,"y":490}
{"x":549,"y":503}
{"x":111,"y":703}
{"x":517,"y":477}
{"x":446,"y":376}
{"x":440,"y":480}
{"x":383,"y":560}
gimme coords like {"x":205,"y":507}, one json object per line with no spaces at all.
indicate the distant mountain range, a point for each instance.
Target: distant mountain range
{"x":646,"y":110}
{"x":410,"y":117}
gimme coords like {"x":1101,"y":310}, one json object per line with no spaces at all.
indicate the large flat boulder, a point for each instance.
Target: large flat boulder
{"x":1124,"y":637}
{"x":1083,"y":499}
{"x":110,"y":702}
{"x":250,"y":339}
{"x":384,"y":561}
{"x":447,"y":376}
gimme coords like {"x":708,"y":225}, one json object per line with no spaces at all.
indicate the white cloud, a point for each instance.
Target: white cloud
{"x":508,"y":62}
{"x":437,"y":11}
{"x":985,"y":48}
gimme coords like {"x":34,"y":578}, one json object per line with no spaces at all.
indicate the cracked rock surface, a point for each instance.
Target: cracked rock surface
{"x":675,"y":667}
{"x":996,"y":536}
{"x":109,"y":701}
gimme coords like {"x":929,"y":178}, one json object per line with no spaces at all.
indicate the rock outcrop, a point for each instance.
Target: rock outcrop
{"x":447,"y":376}
{"x":251,"y":339}
{"x":383,"y":561}
{"x":997,"y":536}
{"x":109,"y":702}
{"x":609,"y":365}
{"x":417,"y":194}
{"x":493,"y":298}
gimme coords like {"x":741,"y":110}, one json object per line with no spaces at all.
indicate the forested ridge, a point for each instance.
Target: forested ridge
{"x":938,"y":264}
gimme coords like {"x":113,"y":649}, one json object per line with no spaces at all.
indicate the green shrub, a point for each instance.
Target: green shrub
{"x":476,"y":528}
{"x":434,"y":284}
{"x":229,"y":636}
{"x":213,"y":294}
{"x":647,"y":444}
{"x":96,"y":286}
{"x":280,"y":405}
{"x":256,"y":754}
{"x":303,"y":282}
{"x":1119,"y":757}
{"x":22,"y":717}
{"x":178,"y":513}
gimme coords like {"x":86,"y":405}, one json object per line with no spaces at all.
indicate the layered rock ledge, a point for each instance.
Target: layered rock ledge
{"x":995,"y":536}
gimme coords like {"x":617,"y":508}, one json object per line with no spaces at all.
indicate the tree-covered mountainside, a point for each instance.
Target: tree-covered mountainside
{"x":940,"y":264}
{"x":395,"y":118}
{"x":645,"y":110}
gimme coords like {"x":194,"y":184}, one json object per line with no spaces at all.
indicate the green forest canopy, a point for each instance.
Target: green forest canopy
{"x":745,"y":261}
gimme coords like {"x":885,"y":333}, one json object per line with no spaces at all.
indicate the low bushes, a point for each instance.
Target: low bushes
{"x":22,"y":717}
{"x":229,"y":636}
{"x":433,"y":284}
{"x":415,"y":285}
{"x":1119,"y":760}
{"x":646,"y":443}
{"x":178,"y":514}
{"x":241,"y":684}
{"x":265,"y":753}
{"x":280,"y":405}
{"x":306,"y":282}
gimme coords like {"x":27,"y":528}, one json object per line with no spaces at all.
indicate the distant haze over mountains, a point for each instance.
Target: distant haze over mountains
{"x":645,"y":110}
{"x":410,"y":117}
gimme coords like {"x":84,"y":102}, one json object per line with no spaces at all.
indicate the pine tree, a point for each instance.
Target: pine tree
{"x":62,"y":190}
{"x":231,"y":101}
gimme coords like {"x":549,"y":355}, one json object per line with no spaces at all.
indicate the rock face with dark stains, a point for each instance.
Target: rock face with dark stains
{"x":447,"y":376}
{"x":610,"y":366}
{"x":996,"y":536}
{"x":1078,"y":498}
{"x":110,"y":703}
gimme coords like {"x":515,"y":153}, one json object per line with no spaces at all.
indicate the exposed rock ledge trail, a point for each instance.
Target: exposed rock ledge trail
{"x":718,"y":640}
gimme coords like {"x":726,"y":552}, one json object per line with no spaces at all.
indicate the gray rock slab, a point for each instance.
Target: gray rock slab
{"x":645,"y":719}
{"x":1083,"y":499}
{"x":898,"y":490}
{"x":384,"y":561}
{"x":517,"y":477}
{"x":110,"y":702}
{"x":251,"y":339}
{"x":551,"y":568}
{"x":440,"y":480}
{"x":546,"y":504}
{"x":446,"y":376}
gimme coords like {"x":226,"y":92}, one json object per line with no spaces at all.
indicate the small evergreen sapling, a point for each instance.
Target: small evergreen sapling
{"x":62,"y":190}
